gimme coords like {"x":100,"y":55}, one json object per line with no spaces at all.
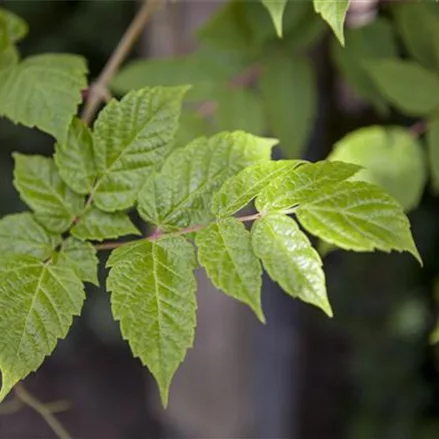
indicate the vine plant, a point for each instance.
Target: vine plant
{"x":81,"y":197}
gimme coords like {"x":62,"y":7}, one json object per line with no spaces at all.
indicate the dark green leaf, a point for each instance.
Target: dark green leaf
{"x":406,"y":85}
{"x":289,"y":95}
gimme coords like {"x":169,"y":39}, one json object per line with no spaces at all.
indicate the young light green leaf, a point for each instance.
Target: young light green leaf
{"x":43,"y":91}
{"x":81,"y":258}
{"x":334,"y":13}
{"x":276,"y":9}
{"x":391,"y":157}
{"x":37,"y":304}
{"x":226,"y":253}
{"x":375,"y":40}
{"x":74,"y":158}
{"x":289,"y":94}
{"x":41,"y":187}
{"x":21,"y":234}
{"x":153,"y":290}
{"x":357,"y":216}
{"x":239,"y":109}
{"x":419,"y":40}
{"x":130,"y":138}
{"x":12,"y":29}
{"x":240,"y":189}
{"x":290,"y":260}
{"x":433,"y":152}
{"x":408,"y":86}
{"x":96,"y":225}
{"x":181,"y":194}
{"x":301,"y":184}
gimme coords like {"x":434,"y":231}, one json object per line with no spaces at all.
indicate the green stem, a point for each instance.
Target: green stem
{"x":43,"y":410}
{"x":157,"y":234}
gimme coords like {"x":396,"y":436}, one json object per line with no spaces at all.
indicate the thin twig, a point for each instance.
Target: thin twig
{"x":157,"y":235}
{"x":42,"y":410}
{"x":122,"y":50}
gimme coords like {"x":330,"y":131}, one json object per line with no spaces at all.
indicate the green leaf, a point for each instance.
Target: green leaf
{"x":228,"y":29}
{"x":226,"y":253}
{"x":302,"y":183}
{"x":409,"y":87}
{"x":240,"y":109}
{"x":372,"y":41}
{"x":43,"y":91}
{"x":289,"y":95}
{"x":290,"y":260}
{"x":419,"y":39}
{"x":9,"y":58}
{"x":181,"y":194}
{"x":334,"y":13}
{"x":357,"y":216}
{"x":199,"y":70}
{"x":391,"y":157}
{"x":240,"y":189}
{"x":21,"y":234}
{"x":81,"y":258}
{"x":276,"y":9}
{"x":96,"y":225}
{"x":37,"y":304}
{"x":41,"y":187}
{"x":12,"y":29}
{"x":433,"y":152}
{"x":130,"y":138}
{"x":74,"y":158}
{"x":153,"y":290}
{"x":191,"y":126}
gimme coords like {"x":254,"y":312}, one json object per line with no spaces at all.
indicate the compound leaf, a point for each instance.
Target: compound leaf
{"x":40,"y":186}
{"x":37,"y":303}
{"x":408,"y":86}
{"x":240,"y":189}
{"x":391,"y":157}
{"x":276,"y":9}
{"x":226,"y":253}
{"x":334,"y":13}
{"x":130,"y":138}
{"x":21,"y":234}
{"x":357,"y":216}
{"x":153,"y":289}
{"x":81,"y":258}
{"x":96,"y":225}
{"x":181,"y":194}
{"x":290,"y":260}
{"x":302,"y":183}
{"x":74,"y":158}
{"x":43,"y":91}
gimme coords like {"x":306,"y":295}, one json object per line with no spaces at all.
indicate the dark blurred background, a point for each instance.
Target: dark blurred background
{"x":368,"y":373}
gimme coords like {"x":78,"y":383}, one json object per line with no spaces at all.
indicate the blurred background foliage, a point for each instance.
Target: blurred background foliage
{"x":371,"y":372}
